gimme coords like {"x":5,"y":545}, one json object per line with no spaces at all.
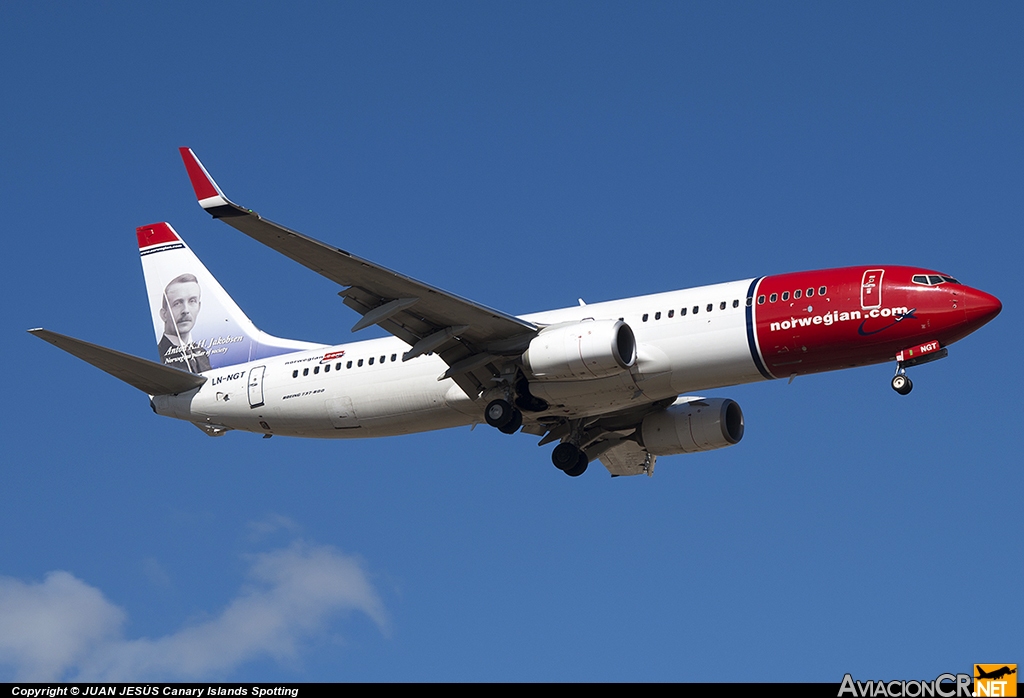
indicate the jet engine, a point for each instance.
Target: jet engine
{"x":687,"y":427}
{"x":581,"y":351}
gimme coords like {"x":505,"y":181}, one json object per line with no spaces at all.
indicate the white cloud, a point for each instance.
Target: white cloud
{"x":272,"y":523}
{"x":46,"y":628}
{"x":63,"y":628}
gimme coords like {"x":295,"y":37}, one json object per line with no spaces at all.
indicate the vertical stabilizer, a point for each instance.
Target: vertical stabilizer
{"x":198,"y":326}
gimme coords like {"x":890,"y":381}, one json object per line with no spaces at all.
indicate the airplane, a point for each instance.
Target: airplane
{"x":612,"y":381}
{"x":995,"y":674}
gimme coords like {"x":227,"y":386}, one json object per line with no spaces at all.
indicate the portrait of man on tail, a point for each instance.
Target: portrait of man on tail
{"x":179,"y":310}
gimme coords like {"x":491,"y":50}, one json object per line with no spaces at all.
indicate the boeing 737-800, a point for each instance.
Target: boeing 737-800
{"x":611,"y":381}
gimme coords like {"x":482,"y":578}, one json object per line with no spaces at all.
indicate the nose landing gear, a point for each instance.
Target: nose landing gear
{"x":915,"y":356}
{"x":901,"y":383}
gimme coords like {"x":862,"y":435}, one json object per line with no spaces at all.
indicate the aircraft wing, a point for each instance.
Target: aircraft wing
{"x":149,"y":377}
{"x":628,"y":458}
{"x":471,"y":338}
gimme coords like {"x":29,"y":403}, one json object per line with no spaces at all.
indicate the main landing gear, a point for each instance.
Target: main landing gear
{"x":507,"y":418}
{"x":570,"y":459}
{"x":902,"y":384}
{"x":501,"y":415}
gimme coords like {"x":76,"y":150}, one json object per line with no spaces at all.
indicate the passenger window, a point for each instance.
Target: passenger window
{"x":645,"y":317}
{"x":810,"y":292}
{"x":337,"y":366}
{"x":760,"y":300}
{"x":721,"y":306}
{"x":657,"y":316}
{"x":305,"y":371}
{"x":394,"y":357}
{"x":736,"y":303}
{"x":796,"y":294}
{"x":682,"y":311}
{"x":327,"y":368}
{"x":382,"y":359}
{"x":371,"y":361}
{"x":316,"y":370}
{"x":821,"y":291}
{"x":295,"y":373}
{"x":696,"y":309}
{"x":360,"y":364}
{"x":348,"y":365}
{"x":774,"y":297}
{"x":710,"y":306}
{"x":785,"y":295}
{"x":671,"y":313}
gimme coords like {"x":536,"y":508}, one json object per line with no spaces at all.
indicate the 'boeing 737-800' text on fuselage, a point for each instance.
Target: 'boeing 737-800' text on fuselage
{"x":607,"y":381}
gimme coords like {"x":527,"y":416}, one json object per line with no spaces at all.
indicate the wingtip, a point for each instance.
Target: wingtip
{"x":207,"y":192}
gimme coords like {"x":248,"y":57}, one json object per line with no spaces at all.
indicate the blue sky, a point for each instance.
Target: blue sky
{"x":522,"y":155}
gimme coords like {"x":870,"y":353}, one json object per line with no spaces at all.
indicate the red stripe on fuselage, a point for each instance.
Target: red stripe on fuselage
{"x":866,"y":315}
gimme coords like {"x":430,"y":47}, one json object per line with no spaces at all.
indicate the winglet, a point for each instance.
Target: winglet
{"x":209,"y":194}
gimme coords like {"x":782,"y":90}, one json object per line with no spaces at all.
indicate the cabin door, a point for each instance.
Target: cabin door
{"x":256,"y":386}
{"x":871,"y":289}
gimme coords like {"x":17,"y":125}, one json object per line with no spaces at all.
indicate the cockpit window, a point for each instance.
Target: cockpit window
{"x":933,"y":279}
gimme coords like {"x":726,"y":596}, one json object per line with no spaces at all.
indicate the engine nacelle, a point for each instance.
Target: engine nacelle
{"x":581,"y":351}
{"x":701,"y":425}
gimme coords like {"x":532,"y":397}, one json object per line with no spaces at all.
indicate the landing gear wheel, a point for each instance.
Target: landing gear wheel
{"x":901,"y":384}
{"x":566,"y":457}
{"x":513,"y":426}
{"x":580,"y":467}
{"x":499,"y":413}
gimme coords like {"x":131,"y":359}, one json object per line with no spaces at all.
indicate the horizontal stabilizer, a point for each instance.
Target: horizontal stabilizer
{"x":149,"y":377}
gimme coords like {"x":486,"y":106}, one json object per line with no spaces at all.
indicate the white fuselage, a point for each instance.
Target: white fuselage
{"x":336,"y":392}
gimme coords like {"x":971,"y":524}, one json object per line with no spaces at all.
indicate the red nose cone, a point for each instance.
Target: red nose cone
{"x":981,"y":307}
